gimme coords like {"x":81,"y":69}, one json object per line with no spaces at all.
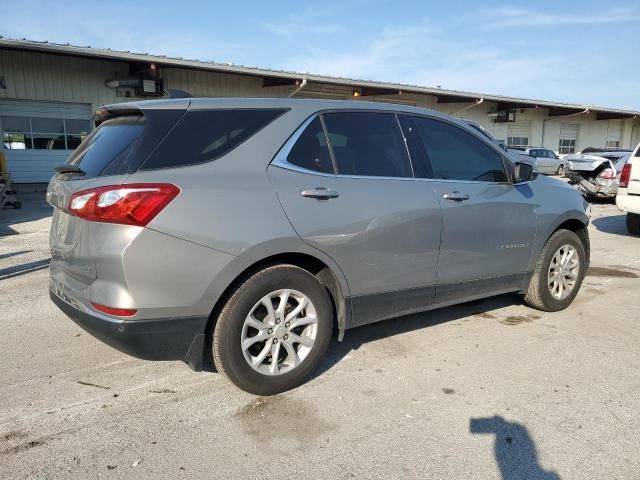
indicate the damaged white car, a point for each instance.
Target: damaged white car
{"x":596,"y":171}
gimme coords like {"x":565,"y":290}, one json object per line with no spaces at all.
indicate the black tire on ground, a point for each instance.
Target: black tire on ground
{"x":560,"y":170}
{"x":538,"y":295}
{"x":17,"y":205}
{"x":227,"y":352}
{"x":633,"y":223}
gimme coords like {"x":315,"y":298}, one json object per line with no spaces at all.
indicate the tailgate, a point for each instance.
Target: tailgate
{"x":584,"y":163}
{"x":75,"y":243}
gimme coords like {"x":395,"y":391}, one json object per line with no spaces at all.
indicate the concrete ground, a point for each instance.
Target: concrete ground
{"x":489,"y":389}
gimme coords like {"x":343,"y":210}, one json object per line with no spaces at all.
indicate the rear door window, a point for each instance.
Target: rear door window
{"x":311,"y":151}
{"x":205,"y":135}
{"x":455,"y":154}
{"x":367,"y":144}
{"x":110,"y":143}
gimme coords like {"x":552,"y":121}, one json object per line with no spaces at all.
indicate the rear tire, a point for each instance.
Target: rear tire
{"x":560,"y":170}
{"x":633,"y":223}
{"x":546,"y":294}
{"x":246,"y":317}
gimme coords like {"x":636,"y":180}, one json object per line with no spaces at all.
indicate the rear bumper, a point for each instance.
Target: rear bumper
{"x":158,"y":339}
{"x":628,"y":203}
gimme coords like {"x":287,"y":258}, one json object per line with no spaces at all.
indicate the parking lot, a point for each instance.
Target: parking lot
{"x":488,"y":389}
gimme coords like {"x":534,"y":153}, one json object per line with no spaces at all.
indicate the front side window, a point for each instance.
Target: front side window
{"x":367,"y":144}
{"x":455,"y":154}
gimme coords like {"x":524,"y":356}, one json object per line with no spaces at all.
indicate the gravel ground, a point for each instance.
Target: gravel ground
{"x":489,"y":389}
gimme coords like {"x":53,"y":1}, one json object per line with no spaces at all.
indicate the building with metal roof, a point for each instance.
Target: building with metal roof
{"x":48,"y":92}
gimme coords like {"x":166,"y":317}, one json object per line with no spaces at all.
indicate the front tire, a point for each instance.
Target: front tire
{"x":633,"y":223}
{"x":558,"y":274}
{"x":274,"y":330}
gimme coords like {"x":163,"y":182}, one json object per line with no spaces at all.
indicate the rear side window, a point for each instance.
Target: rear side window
{"x":457,"y":155}
{"x":109,"y":144}
{"x":311,"y":151}
{"x":367,"y":144}
{"x":204,"y":135}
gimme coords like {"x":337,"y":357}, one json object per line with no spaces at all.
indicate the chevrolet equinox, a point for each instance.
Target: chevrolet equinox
{"x":237,"y":234}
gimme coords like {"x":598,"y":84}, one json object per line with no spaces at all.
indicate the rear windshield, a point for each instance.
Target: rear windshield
{"x":204,"y":135}
{"x":109,"y":144}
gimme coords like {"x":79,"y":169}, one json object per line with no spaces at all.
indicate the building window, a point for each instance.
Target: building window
{"x":567,"y":146}
{"x":42,"y":133}
{"x":613,"y":144}
{"x":518,"y":142}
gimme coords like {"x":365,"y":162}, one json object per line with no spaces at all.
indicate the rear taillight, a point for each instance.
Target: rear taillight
{"x":607,"y":174}
{"x":625,"y":176}
{"x":120,"y":312}
{"x":132,"y":204}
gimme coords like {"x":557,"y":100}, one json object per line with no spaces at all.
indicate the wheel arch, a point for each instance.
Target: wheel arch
{"x":331,"y":278}
{"x":578,"y":227}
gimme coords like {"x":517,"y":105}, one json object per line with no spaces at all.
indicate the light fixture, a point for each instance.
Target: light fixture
{"x":356,"y":93}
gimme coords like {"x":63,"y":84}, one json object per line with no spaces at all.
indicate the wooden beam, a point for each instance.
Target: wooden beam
{"x":375,"y":91}
{"x":455,"y":99}
{"x":559,"y":111}
{"x":613,"y":116}
{"x":515,"y":106}
{"x":279,"y":82}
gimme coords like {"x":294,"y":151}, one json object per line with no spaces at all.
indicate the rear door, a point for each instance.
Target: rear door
{"x":346,"y":183}
{"x":488,"y":223}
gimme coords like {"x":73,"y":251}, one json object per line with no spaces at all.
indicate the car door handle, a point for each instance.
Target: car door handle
{"x":456,"y":196}
{"x":320,"y":193}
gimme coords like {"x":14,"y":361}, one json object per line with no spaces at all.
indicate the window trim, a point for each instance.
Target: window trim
{"x":280,"y":158}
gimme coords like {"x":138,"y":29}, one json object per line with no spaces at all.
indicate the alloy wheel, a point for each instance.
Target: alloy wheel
{"x":279,"y":332}
{"x":563,"y":272}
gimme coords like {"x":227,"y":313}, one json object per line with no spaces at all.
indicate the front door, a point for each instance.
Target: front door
{"x":355,"y":198}
{"x":547,"y":160}
{"x":488,"y":223}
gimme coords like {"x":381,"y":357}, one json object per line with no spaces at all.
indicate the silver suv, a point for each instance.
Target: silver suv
{"x":237,"y":234}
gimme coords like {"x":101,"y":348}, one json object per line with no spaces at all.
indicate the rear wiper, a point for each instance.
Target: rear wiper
{"x":72,"y":169}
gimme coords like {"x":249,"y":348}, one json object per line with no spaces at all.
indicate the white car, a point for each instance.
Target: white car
{"x":546,"y":161}
{"x":628,"y":197}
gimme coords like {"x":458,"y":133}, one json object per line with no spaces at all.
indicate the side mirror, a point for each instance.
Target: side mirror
{"x":523,"y":172}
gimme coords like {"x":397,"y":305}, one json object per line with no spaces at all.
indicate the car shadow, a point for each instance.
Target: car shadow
{"x":356,"y":337}
{"x":34,"y":207}
{"x":514,"y":449}
{"x":614,"y":224}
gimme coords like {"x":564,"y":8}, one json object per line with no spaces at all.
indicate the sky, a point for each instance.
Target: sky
{"x":585,"y":52}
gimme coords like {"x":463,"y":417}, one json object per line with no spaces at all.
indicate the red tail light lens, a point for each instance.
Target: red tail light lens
{"x":607,"y":174}
{"x":625,"y":175}
{"x":120,"y":312}
{"x":132,"y":204}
